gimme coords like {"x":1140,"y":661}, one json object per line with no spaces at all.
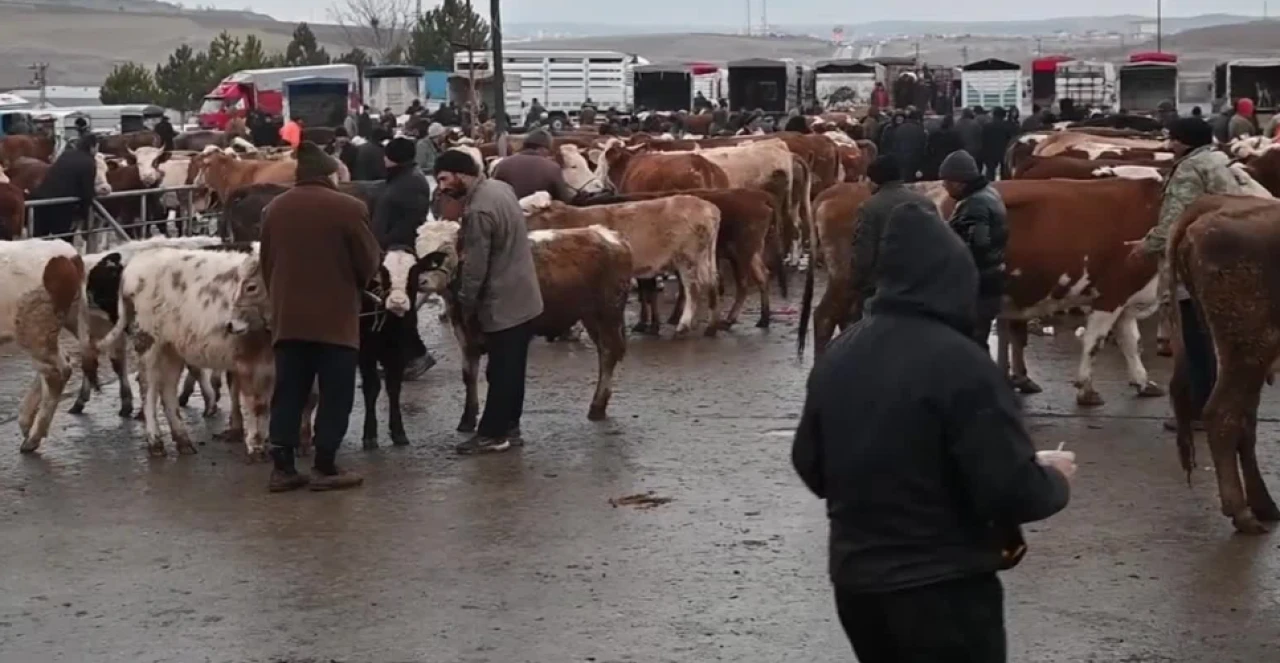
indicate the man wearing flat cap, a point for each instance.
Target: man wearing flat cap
{"x":497,"y":288}
{"x":400,"y":210}
{"x":534,"y":169}
{"x":317,"y":255}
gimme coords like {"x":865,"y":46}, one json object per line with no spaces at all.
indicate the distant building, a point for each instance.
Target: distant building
{"x":1144,"y":29}
{"x":59,"y":96}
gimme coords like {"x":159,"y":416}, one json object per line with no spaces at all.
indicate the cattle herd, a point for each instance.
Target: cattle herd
{"x":649,"y":206}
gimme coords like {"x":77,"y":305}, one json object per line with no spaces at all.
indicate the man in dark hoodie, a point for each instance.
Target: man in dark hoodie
{"x":914,"y":439}
{"x":908,"y":145}
{"x":996,"y":136}
{"x":970,"y":133}
{"x":371,"y":158}
{"x":873,"y":215}
{"x":980,"y":220}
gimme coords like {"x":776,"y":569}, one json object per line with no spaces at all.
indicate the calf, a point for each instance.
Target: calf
{"x":1223,"y":249}
{"x":584,"y":275}
{"x":42,"y":292}
{"x":177,"y":307}
{"x":677,"y":231}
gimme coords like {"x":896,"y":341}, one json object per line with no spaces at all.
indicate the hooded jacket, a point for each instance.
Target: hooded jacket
{"x":873,"y":216}
{"x":911,"y":434}
{"x":981,"y":221}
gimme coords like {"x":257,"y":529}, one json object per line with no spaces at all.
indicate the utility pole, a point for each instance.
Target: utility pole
{"x":764,"y":17}
{"x":40,"y":79}
{"x":1159,"y":26}
{"x":499,"y":81}
{"x":748,"y":18}
{"x":1039,"y":47}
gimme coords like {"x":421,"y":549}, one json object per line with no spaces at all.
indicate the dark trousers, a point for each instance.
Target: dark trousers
{"x":1202,"y":364}
{"x":413,"y":345}
{"x":988,"y":309}
{"x":960,"y":621}
{"x":508,"y":359}
{"x":991,"y":170}
{"x":298,"y":365}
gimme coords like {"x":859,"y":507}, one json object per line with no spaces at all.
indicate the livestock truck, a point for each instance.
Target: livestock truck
{"x":1255,"y":79}
{"x":263,"y":90}
{"x":1146,"y":81}
{"x":846,"y":84}
{"x":671,"y":87}
{"x":992,"y":84}
{"x":774,"y":86}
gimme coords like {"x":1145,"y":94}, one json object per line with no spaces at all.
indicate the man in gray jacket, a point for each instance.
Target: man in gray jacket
{"x":885,"y":174}
{"x":497,"y":287}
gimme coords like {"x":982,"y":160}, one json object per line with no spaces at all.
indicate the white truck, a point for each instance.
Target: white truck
{"x":561,"y":81}
{"x":991,"y":84}
{"x":1086,"y":84}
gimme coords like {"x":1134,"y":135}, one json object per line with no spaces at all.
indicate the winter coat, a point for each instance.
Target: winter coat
{"x":941,"y":143}
{"x":402,"y":207}
{"x":371,"y":163}
{"x":497,"y":281}
{"x":970,"y":136}
{"x":982,"y":223}
{"x":873,"y":216}
{"x":908,"y":145}
{"x":317,"y":255}
{"x":996,"y":136}
{"x":71,"y":176}
{"x":529,"y":173}
{"x":910,"y":432}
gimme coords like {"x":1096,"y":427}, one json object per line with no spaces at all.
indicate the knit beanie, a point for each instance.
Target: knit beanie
{"x":400,"y":151}
{"x":313,"y":163}
{"x":960,"y":167}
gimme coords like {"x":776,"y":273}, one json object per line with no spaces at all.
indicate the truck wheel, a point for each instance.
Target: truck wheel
{"x":557,"y":123}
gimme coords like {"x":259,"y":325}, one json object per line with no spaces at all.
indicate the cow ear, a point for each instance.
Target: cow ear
{"x":432,"y":261}
{"x":595,"y":155}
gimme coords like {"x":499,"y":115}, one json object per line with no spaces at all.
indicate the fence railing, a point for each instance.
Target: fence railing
{"x":100,"y":221}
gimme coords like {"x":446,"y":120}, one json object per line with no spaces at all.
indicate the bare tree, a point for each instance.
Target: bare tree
{"x":378,"y":27}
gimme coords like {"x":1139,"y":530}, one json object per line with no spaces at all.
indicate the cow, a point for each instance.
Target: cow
{"x":13,"y":211}
{"x":677,"y":232}
{"x":120,"y":145}
{"x":43,"y":293}
{"x":1223,"y":249}
{"x":17,"y":146}
{"x":103,"y":273}
{"x":223,"y":173}
{"x":629,"y":172}
{"x":177,"y":306}
{"x":1265,"y":169}
{"x":27,"y":173}
{"x":584,"y":275}
{"x":1057,"y":143}
{"x":142,"y":174}
{"x":1073,"y":168}
{"x":746,"y":225}
{"x":835,"y":214}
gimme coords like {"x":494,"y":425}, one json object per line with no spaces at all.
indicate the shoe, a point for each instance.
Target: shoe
{"x":416,"y":368}
{"x":342,"y":480}
{"x":514,"y":437}
{"x":483,"y":445}
{"x":1171,"y":425}
{"x":283,"y":482}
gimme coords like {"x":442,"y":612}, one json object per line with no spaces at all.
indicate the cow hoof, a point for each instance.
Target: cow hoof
{"x":210,"y":411}
{"x":399,"y":439}
{"x":156,"y":451}
{"x":639,"y":328}
{"x":596,"y":414}
{"x":1247,"y":523}
{"x":1268,"y":513}
{"x":29,"y":447}
{"x":186,"y":449}
{"x":183,"y":400}
{"x":1024,"y":385}
{"x":256,"y":456}
{"x":126,"y":410}
{"x":712,"y":330}
{"x":763,"y":323}
{"x":230,"y":435}
{"x":76,"y":408}
{"x":1089,"y":398}
{"x":467,"y":426}
{"x":140,"y":416}
{"x":1150,"y":390}
{"x":370,"y":444}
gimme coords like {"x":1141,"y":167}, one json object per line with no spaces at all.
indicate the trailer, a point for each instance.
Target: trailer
{"x":393,"y":86}
{"x":663,"y":87}
{"x":1082,"y":84}
{"x":900,"y":77}
{"x":709,"y":79}
{"x":1044,"y":79}
{"x":1255,"y":79}
{"x":776,"y":87}
{"x":846,"y":84}
{"x":1146,"y":81}
{"x":562,"y":81}
{"x":991,"y":83}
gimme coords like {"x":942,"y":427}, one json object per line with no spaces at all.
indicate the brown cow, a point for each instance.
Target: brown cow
{"x":677,"y":232}
{"x":1073,"y":168}
{"x":223,"y":173}
{"x":13,"y":211}
{"x":1265,"y":168}
{"x":835,"y":214}
{"x":584,"y":275}
{"x":27,"y":173}
{"x":120,"y":145}
{"x":632,"y":172}
{"x":1223,"y":249}
{"x":746,"y":225}
{"x":15,"y":147}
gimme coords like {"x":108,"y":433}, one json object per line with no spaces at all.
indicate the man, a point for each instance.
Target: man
{"x":908,"y":145}
{"x":536,"y":111}
{"x":364,"y":123}
{"x":1242,"y":123}
{"x":427,"y":148}
{"x":497,"y":288}
{"x":371,"y":160}
{"x":914,"y":439}
{"x":942,"y":141}
{"x":164,"y":129}
{"x":871,"y":125}
{"x":400,"y":210}
{"x":317,"y":254}
{"x":880,"y":97}
{"x":1200,"y":170}
{"x":587,"y":114}
{"x":970,"y":133}
{"x":886,"y":180}
{"x":1221,"y":124}
{"x":979,"y":220}
{"x":996,"y":136}
{"x":72,"y":175}
{"x":291,"y":132}
{"x":1034,"y":121}
{"x":414,"y":108}
{"x":700,"y":102}
{"x":345,"y":150}
{"x":533,"y":170}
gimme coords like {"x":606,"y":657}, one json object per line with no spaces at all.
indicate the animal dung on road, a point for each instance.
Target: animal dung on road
{"x":642,"y":501}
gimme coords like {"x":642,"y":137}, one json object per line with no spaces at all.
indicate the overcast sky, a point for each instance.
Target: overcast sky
{"x":733,"y":12}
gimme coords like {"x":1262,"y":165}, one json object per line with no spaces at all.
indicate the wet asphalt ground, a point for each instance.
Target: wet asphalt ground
{"x":106,"y":555}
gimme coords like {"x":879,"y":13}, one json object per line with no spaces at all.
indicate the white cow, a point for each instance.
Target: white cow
{"x":176,"y":305}
{"x":41,"y":293}
{"x":101,"y":186}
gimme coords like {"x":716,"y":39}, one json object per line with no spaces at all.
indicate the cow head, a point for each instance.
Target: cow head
{"x":148,"y":160}
{"x":101,"y":186}
{"x":102,"y":285}
{"x":399,"y":269}
{"x":251,"y":310}
{"x":577,"y":172}
{"x":437,"y":243}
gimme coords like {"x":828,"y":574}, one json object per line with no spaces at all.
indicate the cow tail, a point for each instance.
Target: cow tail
{"x":1178,"y":234}
{"x":88,"y":351}
{"x":778,"y":264}
{"x":806,"y":308}
{"x":115,"y":337}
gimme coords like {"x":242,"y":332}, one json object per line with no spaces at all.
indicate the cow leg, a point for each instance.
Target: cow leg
{"x":689,"y":286}
{"x":255,"y":384}
{"x":1255,"y":487}
{"x":394,"y":372}
{"x":681,"y":301}
{"x":760,"y":274}
{"x":82,"y":397}
{"x":215,"y":381}
{"x":1225,"y":418}
{"x":1163,"y":331}
{"x":470,"y":374}
{"x":168,"y":384}
{"x":611,"y":346}
{"x":207,"y":393}
{"x":833,"y":309}
{"x":1096,"y":328}
{"x":30,"y":404}
{"x":370,"y":386}
{"x":1128,"y":337}
{"x":121,"y":368}
{"x":647,"y":291}
{"x":142,"y":386}
{"x":157,"y":362}
{"x":235,"y":428}
{"x":188,"y":387}
{"x":1019,"y":336}
{"x":54,"y":373}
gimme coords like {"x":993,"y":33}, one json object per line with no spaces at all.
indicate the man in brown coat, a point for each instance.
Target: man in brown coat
{"x":317,"y":255}
{"x":534,"y":170}
{"x":497,"y":285}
